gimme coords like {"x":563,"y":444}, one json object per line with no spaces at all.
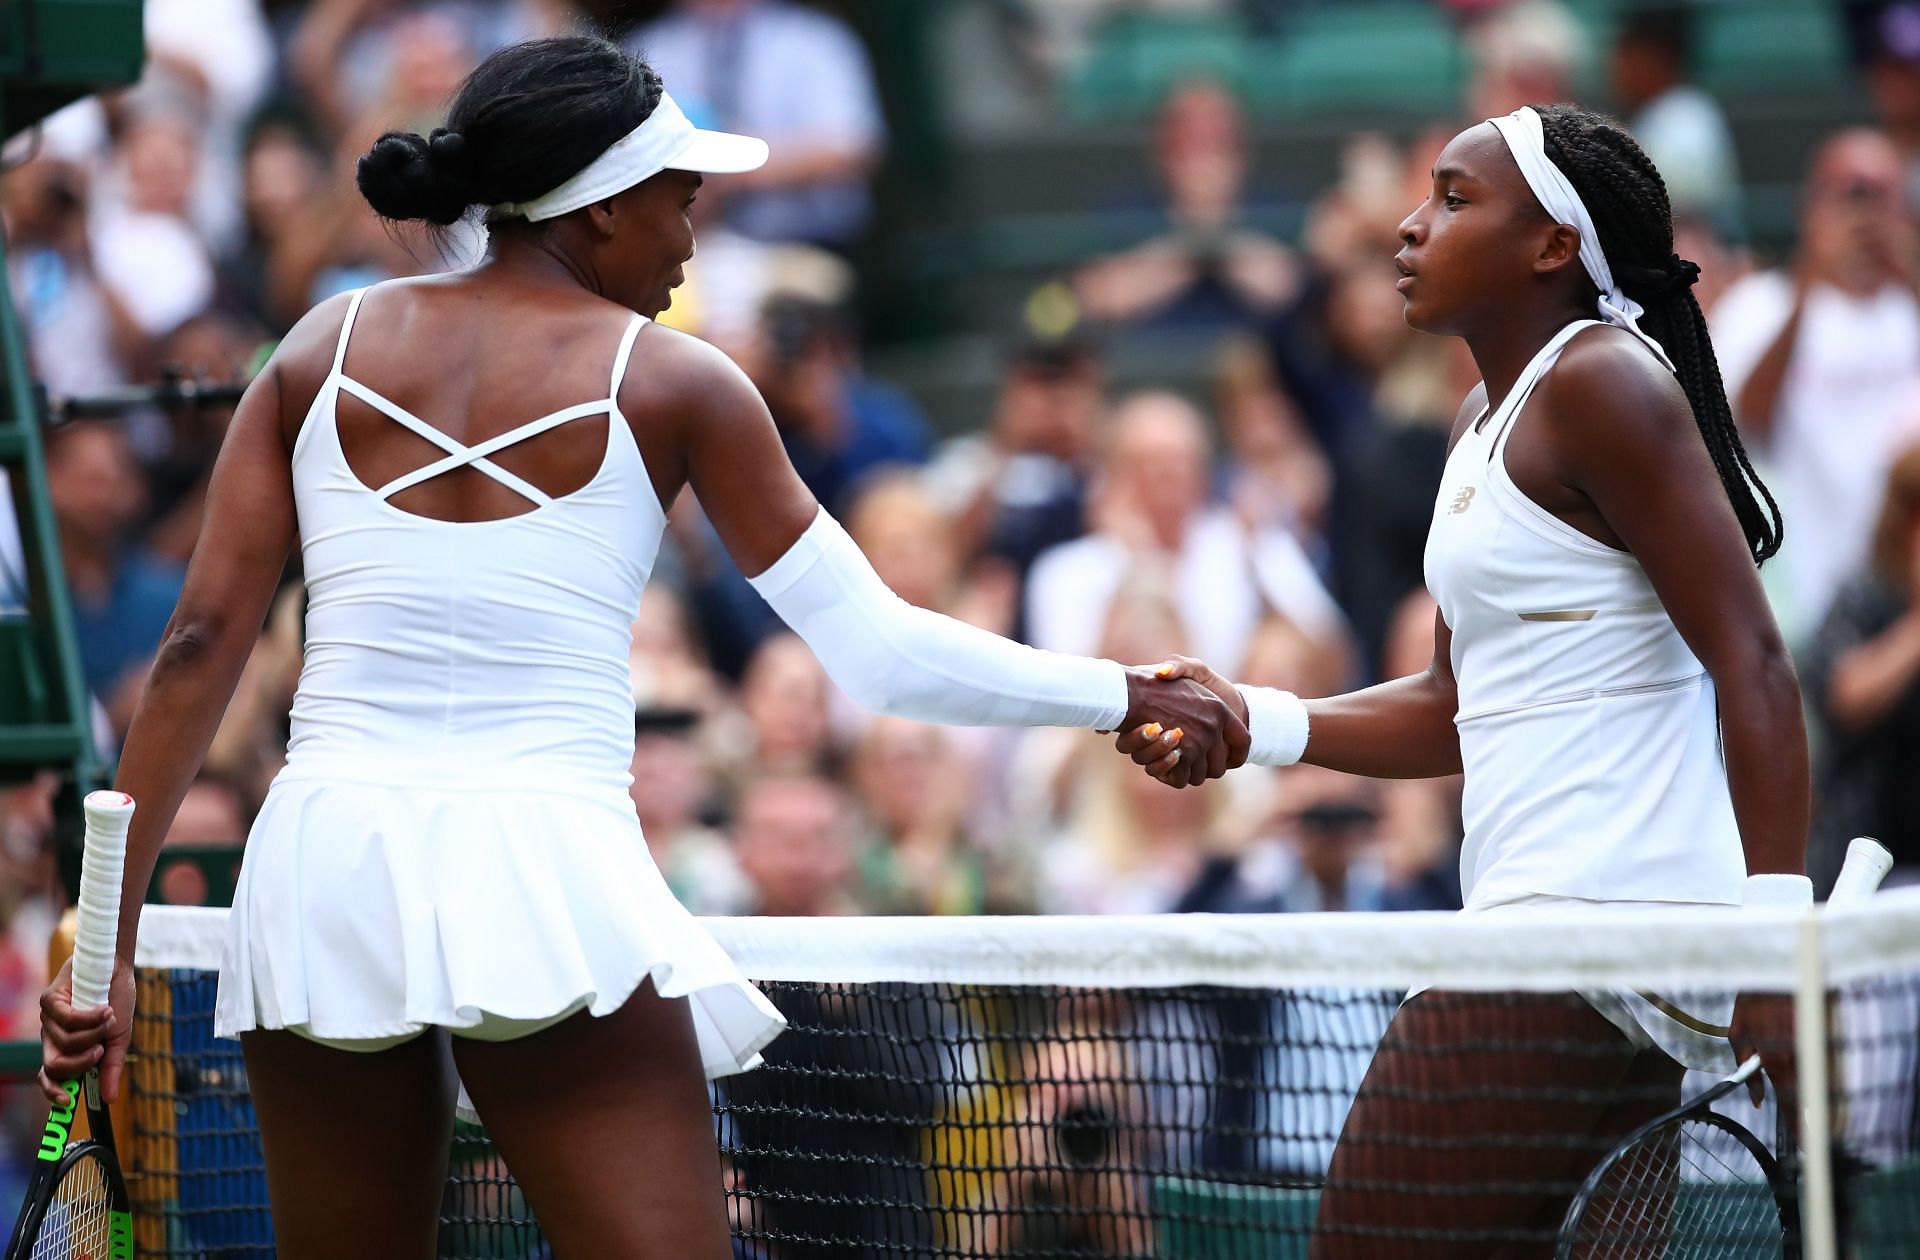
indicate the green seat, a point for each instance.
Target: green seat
{"x":1140,"y":56}
{"x":1886,"y":1212}
{"x":1765,"y":46}
{"x":1392,"y":56}
{"x":1212,"y":1220}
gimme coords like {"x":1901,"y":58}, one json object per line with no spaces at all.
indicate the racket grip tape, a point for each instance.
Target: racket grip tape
{"x":1867,"y":864}
{"x":103,"y":863}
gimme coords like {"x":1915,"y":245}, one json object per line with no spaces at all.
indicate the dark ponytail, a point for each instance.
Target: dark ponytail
{"x":527,"y":119}
{"x":1627,"y":198}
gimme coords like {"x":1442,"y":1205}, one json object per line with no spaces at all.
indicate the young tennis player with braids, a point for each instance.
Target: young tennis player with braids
{"x":1606,"y":672}
{"x":450,"y":871}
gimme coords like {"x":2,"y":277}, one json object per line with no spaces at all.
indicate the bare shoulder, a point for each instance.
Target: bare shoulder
{"x":677,"y":377}
{"x":303,"y":360}
{"x":1608,"y":388}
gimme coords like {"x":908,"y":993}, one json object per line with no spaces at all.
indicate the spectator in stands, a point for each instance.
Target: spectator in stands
{"x":212,"y":815}
{"x":220,"y":350}
{"x":1524,"y":53}
{"x":1020,"y":486}
{"x":916,"y":856}
{"x":80,"y":335}
{"x":1863,"y":681}
{"x":1323,"y":845}
{"x":1893,"y":79}
{"x":1275,"y":472}
{"x":800,"y":79}
{"x":793,"y":836}
{"x":1677,"y":124}
{"x":669,"y":669}
{"x":283,"y":170}
{"x":1128,"y":847}
{"x":786,"y":697}
{"x":1154,"y":508}
{"x":837,"y":423}
{"x":146,"y":247}
{"x":122,"y":598}
{"x":1822,"y":358}
{"x":1209,"y":269}
{"x":672,"y":786}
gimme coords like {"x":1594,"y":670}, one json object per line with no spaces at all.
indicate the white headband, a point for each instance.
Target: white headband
{"x":667,"y":140}
{"x":1527,"y":141}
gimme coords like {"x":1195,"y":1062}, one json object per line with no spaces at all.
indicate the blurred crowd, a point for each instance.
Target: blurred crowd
{"x":1272,"y":523}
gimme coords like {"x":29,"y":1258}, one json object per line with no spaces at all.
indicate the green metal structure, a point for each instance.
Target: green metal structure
{"x":52,"y":52}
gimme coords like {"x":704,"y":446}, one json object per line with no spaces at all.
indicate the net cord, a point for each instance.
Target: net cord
{"x":1683,"y":948}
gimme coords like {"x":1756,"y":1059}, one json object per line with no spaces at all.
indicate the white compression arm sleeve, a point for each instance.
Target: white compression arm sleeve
{"x":894,"y":658}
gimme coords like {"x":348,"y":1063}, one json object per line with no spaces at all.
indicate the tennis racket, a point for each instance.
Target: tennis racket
{"x":77,"y":1206}
{"x":1693,"y":1182}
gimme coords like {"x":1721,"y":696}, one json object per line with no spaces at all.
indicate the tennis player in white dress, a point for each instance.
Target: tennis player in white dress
{"x":1606,"y":674}
{"x":449,"y":872}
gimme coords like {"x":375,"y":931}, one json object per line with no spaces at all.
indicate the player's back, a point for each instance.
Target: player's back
{"x":479,"y":651}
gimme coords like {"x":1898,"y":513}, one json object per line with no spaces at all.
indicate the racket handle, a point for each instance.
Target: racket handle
{"x":103,"y":863}
{"x":1867,"y":864}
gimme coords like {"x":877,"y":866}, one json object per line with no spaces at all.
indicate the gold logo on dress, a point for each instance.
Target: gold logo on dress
{"x":1462,"y":500}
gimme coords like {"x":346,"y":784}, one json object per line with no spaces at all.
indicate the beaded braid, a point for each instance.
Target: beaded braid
{"x":1627,"y":198}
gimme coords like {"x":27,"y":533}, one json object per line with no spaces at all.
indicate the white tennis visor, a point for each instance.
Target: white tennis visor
{"x":666,"y":141}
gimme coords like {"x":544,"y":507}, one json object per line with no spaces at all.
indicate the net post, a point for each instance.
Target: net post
{"x":1818,"y":1238}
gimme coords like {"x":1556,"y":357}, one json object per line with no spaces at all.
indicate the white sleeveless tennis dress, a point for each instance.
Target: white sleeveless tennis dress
{"x":1588,"y":729}
{"x":451,"y":842}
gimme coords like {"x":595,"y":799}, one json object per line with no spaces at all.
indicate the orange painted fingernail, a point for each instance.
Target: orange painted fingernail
{"x":1175,"y":735}
{"x":1164,"y":670}
{"x":1152,"y":730}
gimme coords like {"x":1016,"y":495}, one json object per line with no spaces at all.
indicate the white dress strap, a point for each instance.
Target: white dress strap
{"x":346,"y":329}
{"x":620,"y":359}
{"x":458,"y":454}
{"x":1509,"y":410}
{"x":476,"y":455}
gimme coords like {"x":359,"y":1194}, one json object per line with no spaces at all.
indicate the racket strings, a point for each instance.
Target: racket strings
{"x":78,"y":1224}
{"x":1687,"y":1191}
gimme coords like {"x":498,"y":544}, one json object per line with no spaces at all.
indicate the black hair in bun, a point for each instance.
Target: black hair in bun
{"x":407,"y":176}
{"x":528,"y":118}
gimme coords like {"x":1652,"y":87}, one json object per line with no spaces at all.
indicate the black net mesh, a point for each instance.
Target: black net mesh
{"x":932,"y":1120}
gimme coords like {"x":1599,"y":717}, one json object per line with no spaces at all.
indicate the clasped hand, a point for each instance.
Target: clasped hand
{"x":1185,"y":724}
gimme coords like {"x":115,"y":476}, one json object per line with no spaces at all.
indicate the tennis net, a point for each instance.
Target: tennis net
{"x":1175,"y":1087}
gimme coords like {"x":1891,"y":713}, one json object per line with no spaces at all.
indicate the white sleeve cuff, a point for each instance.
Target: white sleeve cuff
{"x":1277,"y":724}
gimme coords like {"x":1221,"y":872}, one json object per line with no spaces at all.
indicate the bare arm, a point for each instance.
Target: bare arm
{"x":1402,"y":729}
{"x":1624,"y":436}
{"x":242,"y":552}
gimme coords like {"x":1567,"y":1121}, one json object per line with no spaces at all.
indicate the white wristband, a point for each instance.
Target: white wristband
{"x":1277,"y":723}
{"x":1791,"y":891}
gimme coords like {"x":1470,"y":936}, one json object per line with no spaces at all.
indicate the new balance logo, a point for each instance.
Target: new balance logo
{"x":1462,"y":500}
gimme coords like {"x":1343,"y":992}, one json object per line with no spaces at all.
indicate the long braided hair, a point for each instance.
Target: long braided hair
{"x":1627,"y":198}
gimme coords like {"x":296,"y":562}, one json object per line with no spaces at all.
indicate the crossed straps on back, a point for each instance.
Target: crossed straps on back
{"x":459,"y":454}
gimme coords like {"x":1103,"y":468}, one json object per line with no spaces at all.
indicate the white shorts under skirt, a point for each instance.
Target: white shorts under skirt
{"x":367,"y":912}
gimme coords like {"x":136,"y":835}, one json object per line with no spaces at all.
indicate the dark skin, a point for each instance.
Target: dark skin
{"x":1608,"y":444}
{"x":531,"y":330}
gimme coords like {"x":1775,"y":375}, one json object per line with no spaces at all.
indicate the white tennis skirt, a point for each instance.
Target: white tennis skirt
{"x":368,"y":912}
